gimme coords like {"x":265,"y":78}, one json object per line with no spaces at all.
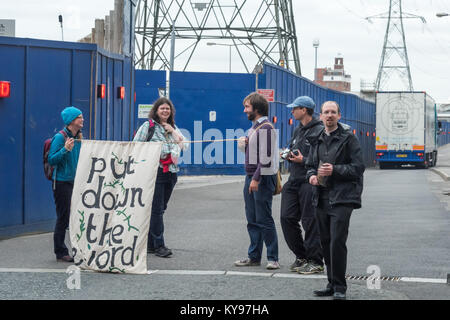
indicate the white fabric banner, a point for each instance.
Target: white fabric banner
{"x":111,"y":205}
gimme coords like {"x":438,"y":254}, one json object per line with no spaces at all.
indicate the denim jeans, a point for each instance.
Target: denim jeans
{"x":260,"y":224}
{"x":165,"y":182}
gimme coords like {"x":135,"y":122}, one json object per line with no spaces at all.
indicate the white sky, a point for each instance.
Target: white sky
{"x":338,"y":24}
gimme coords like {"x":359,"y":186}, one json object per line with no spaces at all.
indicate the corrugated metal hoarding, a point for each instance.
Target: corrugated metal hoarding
{"x":45,"y":77}
{"x":209,"y":106}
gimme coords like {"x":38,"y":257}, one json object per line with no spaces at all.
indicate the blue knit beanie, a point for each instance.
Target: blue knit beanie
{"x":69,"y":114}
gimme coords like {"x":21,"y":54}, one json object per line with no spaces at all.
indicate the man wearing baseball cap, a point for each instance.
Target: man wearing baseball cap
{"x":296,"y":196}
{"x":63,"y":156}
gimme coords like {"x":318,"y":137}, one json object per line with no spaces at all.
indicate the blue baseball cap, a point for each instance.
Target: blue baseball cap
{"x":303,"y":102}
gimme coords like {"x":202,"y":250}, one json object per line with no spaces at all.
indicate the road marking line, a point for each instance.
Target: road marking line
{"x":257,"y":274}
{"x":302,"y":276}
{"x":189,"y":272}
{"x":423,"y":280}
{"x":218,"y":272}
{"x":29,"y":270}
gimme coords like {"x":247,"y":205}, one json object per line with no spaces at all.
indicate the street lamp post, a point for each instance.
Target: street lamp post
{"x":229,"y":46}
{"x":316,"y":43}
{"x":60,"y":18}
{"x":226,"y":45}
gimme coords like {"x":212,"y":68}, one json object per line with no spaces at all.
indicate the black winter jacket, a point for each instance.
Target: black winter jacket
{"x":346,"y":182}
{"x":300,"y":140}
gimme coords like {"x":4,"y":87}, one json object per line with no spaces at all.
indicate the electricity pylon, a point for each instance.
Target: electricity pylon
{"x":263,"y":30}
{"x":394,"y":57}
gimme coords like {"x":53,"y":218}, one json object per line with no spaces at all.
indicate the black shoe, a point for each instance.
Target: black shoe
{"x":65,"y":258}
{"x":151,"y":250}
{"x":324,"y":293}
{"x":339,"y":296}
{"x":163,"y":252}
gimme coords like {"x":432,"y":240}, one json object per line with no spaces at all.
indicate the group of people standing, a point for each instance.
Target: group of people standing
{"x":64,"y":153}
{"x":324,"y":186}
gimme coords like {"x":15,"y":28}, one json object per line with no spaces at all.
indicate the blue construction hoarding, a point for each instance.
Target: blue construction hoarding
{"x":45,"y":77}
{"x":444,"y":134}
{"x":209,"y":106}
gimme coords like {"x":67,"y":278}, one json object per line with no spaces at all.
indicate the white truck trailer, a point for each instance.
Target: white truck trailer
{"x":405,"y":129}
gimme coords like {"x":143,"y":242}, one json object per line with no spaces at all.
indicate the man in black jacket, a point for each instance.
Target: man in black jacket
{"x":296,"y":196}
{"x":335,"y":168}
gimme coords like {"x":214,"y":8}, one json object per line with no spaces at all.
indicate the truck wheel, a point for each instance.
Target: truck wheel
{"x":426,"y":163}
{"x":384,"y":165}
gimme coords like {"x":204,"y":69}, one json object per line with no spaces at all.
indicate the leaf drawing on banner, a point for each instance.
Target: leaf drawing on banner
{"x":82,"y":228}
{"x":127,"y":219}
{"x":119,"y":161}
{"x":112,"y":184}
{"x":115,"y":268}
{"x":123,"y":188}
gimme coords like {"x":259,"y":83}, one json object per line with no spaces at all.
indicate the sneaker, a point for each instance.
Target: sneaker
{"x":310,"y":268}
{"x":247,"y":263}
{"x":272,"y":265}
{"x":163,"y":252}
{"x":151,"y":250}
{"x":297,"y":264}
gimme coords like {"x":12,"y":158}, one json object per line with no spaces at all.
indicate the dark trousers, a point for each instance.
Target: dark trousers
{"x":296,"y":207}
{"x":165,"y":182}
{"x":62,"y":194}
{"x":333,"y":225}
{"x":260,"y":224}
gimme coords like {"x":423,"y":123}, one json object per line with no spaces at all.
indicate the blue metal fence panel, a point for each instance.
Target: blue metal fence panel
{"x":148,"y":84}
{"x":357,"y":113}
{"x":118,"y":102}
{"x":48,"y":92}
{"x":12,"y":69}
{"x":128,"y":109}
{"x":444,"y":135}
{"x":196,"y":95}
{"x":82,"y":83}
{"x":46,"y":76}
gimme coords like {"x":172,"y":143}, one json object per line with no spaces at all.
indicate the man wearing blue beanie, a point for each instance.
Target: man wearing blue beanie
{"x":63,"y":156}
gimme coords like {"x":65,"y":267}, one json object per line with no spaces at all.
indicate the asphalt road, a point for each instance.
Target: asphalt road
{"x":402,"y":229}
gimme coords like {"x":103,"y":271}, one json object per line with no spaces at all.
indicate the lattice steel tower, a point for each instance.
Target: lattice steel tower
{"x":394,"y":57}
{"x":257,"y":30}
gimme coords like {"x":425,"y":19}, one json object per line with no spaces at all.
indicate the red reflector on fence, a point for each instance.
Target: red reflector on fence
{"x":101,"y":91}
{"x":121,"y":93}
{"x":5,"y":89}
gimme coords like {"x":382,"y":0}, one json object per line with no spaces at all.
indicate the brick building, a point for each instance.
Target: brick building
{"x":336,"y":78}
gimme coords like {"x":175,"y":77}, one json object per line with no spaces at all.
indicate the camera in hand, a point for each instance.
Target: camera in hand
{"x":285,"y":154}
